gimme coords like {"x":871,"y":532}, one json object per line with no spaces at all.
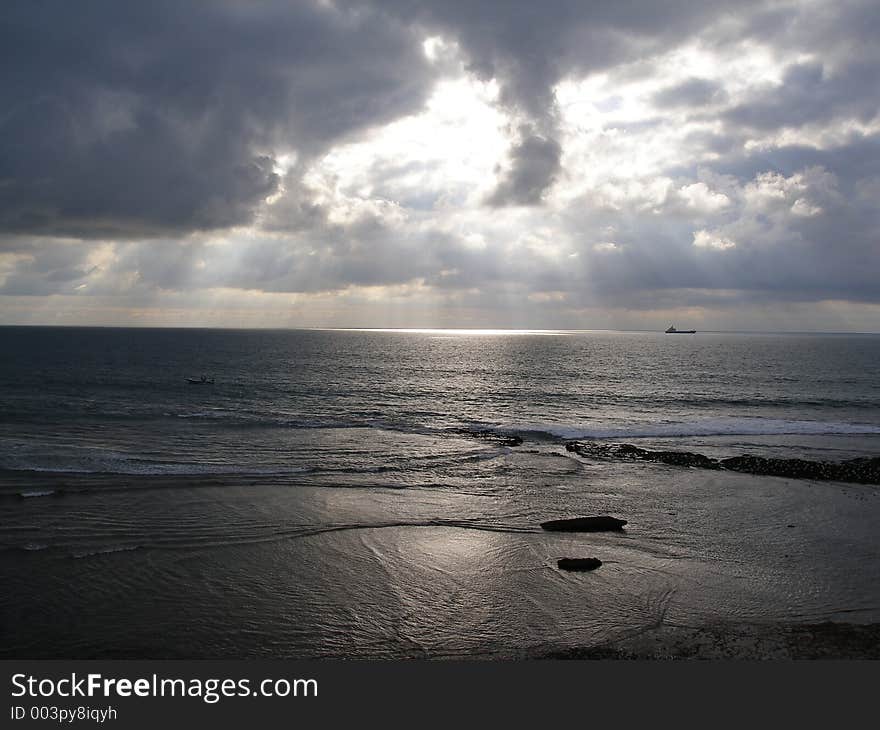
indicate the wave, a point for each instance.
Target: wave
{"x":105,"y":551}
{"x":745,"y":426}
{"x":695,"y":401}
{"x":153,"y":469}
{"x":740,"y":426}
{"x":219,"y":417}
{"x":48,"y":457}
{"x":254,"y":420}
{"x":210,"y":470}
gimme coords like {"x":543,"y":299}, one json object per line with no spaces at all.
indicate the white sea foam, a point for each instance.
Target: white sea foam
{"x":707,"y":427}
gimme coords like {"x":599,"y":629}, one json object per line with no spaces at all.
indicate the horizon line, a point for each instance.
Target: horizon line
{"x":487,"y":331}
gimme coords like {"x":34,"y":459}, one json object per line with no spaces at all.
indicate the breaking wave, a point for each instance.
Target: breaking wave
{"x":707,"y":427}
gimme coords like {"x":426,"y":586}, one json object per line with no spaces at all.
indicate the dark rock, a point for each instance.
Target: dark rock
{"x":795,"y":468}
{"x":628,"y":451}
{"x":592,"y":450}
{"x":502,"y":439}
{"x":584,"y":524}
{"x":578,"y":563}
{"x":685,"y":458}
{"x":860,"y":471}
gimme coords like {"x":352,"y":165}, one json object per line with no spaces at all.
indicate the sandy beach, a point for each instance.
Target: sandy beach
{"x":710,"y":565}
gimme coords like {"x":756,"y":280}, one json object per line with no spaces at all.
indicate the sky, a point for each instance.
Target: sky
{"x":413,"y":163}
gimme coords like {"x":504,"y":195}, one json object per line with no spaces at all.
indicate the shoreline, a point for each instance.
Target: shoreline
{"x":743,"y":642}
{"x":109,"y":560}
{"x":731,"y":642}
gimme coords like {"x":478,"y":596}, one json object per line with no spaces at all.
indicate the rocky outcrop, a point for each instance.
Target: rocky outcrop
{"x":860,"y":471}
{"x":602,"y":523}
{"x":502,"y":439}
{"x":579,"y":564}
{"x":628,"y":451}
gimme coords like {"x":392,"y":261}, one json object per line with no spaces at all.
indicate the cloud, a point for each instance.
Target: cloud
{"x":698,"y":197}
{"x":530,"y":47}
{"x":808,"y":93}
{"x":694,"y":92}
{"x":515,"y":158}
{"x":169,"y":117}
{"x":535,"y":165}
{"x":709,"y":239}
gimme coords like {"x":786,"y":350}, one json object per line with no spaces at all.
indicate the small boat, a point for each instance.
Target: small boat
{"x":673,"y":331}
{"x":204,"y":380}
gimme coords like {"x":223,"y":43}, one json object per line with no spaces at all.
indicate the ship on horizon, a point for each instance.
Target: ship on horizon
{"x":672,"y":331}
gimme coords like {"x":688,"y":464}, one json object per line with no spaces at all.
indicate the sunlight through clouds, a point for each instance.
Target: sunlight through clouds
{"x":455,"y":160}
{"x":444,"y":156}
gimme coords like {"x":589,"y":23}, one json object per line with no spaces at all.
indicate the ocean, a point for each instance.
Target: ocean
{"x":379,"y":493}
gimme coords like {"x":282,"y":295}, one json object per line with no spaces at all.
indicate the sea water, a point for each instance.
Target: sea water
{"x":359,"y":493}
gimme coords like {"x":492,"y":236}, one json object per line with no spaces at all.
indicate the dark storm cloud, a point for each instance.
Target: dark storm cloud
{"x":535,"y":164}
{"x":296,"y":210}
{"x":138,"y":120}
{"x":809,"y":94}
{"x":529,"y":46}
{"x":128,"y":119}
{"x":47,"y":267}
{"x":157,"y":120}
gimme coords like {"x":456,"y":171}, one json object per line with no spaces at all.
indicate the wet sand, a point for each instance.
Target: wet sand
{"x":827,"y":640}
{"x":710,"y":565}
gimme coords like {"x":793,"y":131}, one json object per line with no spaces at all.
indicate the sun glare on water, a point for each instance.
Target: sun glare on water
{"x":439,"y":331}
